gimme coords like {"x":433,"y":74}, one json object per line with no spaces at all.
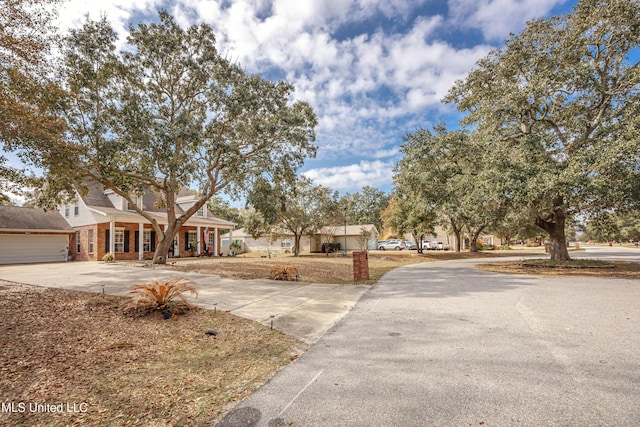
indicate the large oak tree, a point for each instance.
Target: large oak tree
{"x":560,"y":107}
{"x":27,"y":96}
{"x":170,"y":112}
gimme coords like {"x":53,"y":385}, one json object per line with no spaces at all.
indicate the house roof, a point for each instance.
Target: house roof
{"x":97,"y":200}
{"x":16,"y":218}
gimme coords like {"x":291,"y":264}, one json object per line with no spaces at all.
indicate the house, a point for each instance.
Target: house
{"x":30,"y":235}
{"x":358,"y":237}
{"x":104,"y":222}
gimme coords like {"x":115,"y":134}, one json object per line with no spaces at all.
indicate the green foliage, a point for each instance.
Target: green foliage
{"x":447,"y":173}
{"x":160,"y":295}
{"x":559,"y":107}
{"x":617,"y":227}
{"x":170,"y":112}
{"x":27,"y":98}
{"x":298,"y":208}
{"x":366,"y":206}
{"x":220,"y":208}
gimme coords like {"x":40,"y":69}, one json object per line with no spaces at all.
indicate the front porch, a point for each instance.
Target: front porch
{"x":130,"y":241}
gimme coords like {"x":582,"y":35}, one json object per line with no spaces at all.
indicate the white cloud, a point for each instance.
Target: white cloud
{"x":368,"y":89}
{"x":497,"y":18}
{"x":353,"y":177}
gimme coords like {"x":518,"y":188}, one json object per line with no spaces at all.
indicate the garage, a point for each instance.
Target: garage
{"x":28,"y":248}
{"x":30,"y":235}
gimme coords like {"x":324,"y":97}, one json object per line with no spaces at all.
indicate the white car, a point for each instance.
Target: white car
{"x":442,"y":246}
{"x":397,"y":245}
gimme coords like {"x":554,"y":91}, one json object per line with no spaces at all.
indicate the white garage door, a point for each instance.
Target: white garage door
{"x":21,"y":248}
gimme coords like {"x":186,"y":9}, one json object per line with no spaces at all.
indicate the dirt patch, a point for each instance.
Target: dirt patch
{"x":77,"y":352}
{"x":604,"y":269}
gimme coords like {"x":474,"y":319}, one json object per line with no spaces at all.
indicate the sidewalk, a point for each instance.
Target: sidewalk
{"x":304,"y":310}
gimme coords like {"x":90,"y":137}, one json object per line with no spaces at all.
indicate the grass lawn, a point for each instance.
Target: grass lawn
{"x":319,"y":268}
{"x":66,"y":347}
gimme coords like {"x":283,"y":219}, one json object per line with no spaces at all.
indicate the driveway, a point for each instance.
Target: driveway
{"x":446,"y":344}
{"x":300,"y":309}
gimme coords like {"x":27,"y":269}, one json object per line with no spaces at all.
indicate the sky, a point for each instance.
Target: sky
{"x":373,"y":70}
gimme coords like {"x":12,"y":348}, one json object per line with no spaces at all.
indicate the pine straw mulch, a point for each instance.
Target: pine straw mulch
{"x":66,"y":347}
{"x":587,"y":268}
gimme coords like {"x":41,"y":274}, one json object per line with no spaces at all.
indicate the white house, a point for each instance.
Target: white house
{"x":358,"y":237}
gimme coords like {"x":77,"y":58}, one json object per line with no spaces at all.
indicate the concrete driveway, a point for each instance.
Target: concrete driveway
{"x":303,"y":310}
{"x":446,"y":344}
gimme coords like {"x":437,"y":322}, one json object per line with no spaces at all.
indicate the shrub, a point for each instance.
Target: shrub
{"x":108,"y":257}
{"x":284,"y":272}
{"x":160,"y":295}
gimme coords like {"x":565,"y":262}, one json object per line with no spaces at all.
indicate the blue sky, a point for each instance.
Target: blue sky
{"x":373,"y":70}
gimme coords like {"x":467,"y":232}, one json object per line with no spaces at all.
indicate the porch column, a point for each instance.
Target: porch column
{"x":198,"y":237}
{"x":112,"y":237}
{"x":230,"y":241}
{"x":215,"y":241}
{"x":164,"y":228}
{"x":141,"y":241}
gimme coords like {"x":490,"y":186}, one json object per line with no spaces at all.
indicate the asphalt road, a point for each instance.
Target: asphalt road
{"x":446,"y":344}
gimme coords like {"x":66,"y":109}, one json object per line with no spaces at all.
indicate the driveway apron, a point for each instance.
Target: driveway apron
{"x":300,"y":309}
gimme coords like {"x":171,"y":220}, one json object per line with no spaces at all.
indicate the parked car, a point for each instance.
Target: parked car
{"x":409,"y":245}
{"x":429,"y":245}
{"x":442,"y":246}
{"x":397,"y":245}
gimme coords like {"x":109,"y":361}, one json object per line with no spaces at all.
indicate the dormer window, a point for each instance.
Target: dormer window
{"x":130,"y":207}
{"x":200,"y":212}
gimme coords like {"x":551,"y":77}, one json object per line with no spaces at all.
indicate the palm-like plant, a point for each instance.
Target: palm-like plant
{"x":161,"y":295}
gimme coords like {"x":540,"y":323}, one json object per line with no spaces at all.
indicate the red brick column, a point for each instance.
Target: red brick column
{"x":360,"y":266}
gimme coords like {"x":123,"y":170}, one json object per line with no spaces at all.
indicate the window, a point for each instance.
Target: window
{"x":285,"y":243}
{"x":90,"y":241}
{"x":66,"y":211}
{"x":76,"y":209}
{"x":212,"y":239}
{"x":130,"y":207}
{"x":146,"y":241}
{"x":200,"y":212}
{"x":118,"y":240}
{"x":77,"y":242}
{"x":192,"y":240}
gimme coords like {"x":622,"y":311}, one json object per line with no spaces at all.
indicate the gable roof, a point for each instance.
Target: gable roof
{"x":99,"y":201}
{"x":16,"y":218}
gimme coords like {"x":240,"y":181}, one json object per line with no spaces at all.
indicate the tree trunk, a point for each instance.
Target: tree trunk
{"x":473,"y":241}
{"x":457,"y":232}
{"x":296,"y":245}
{"x":162,"y":250}
{"x":555,"y":228}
